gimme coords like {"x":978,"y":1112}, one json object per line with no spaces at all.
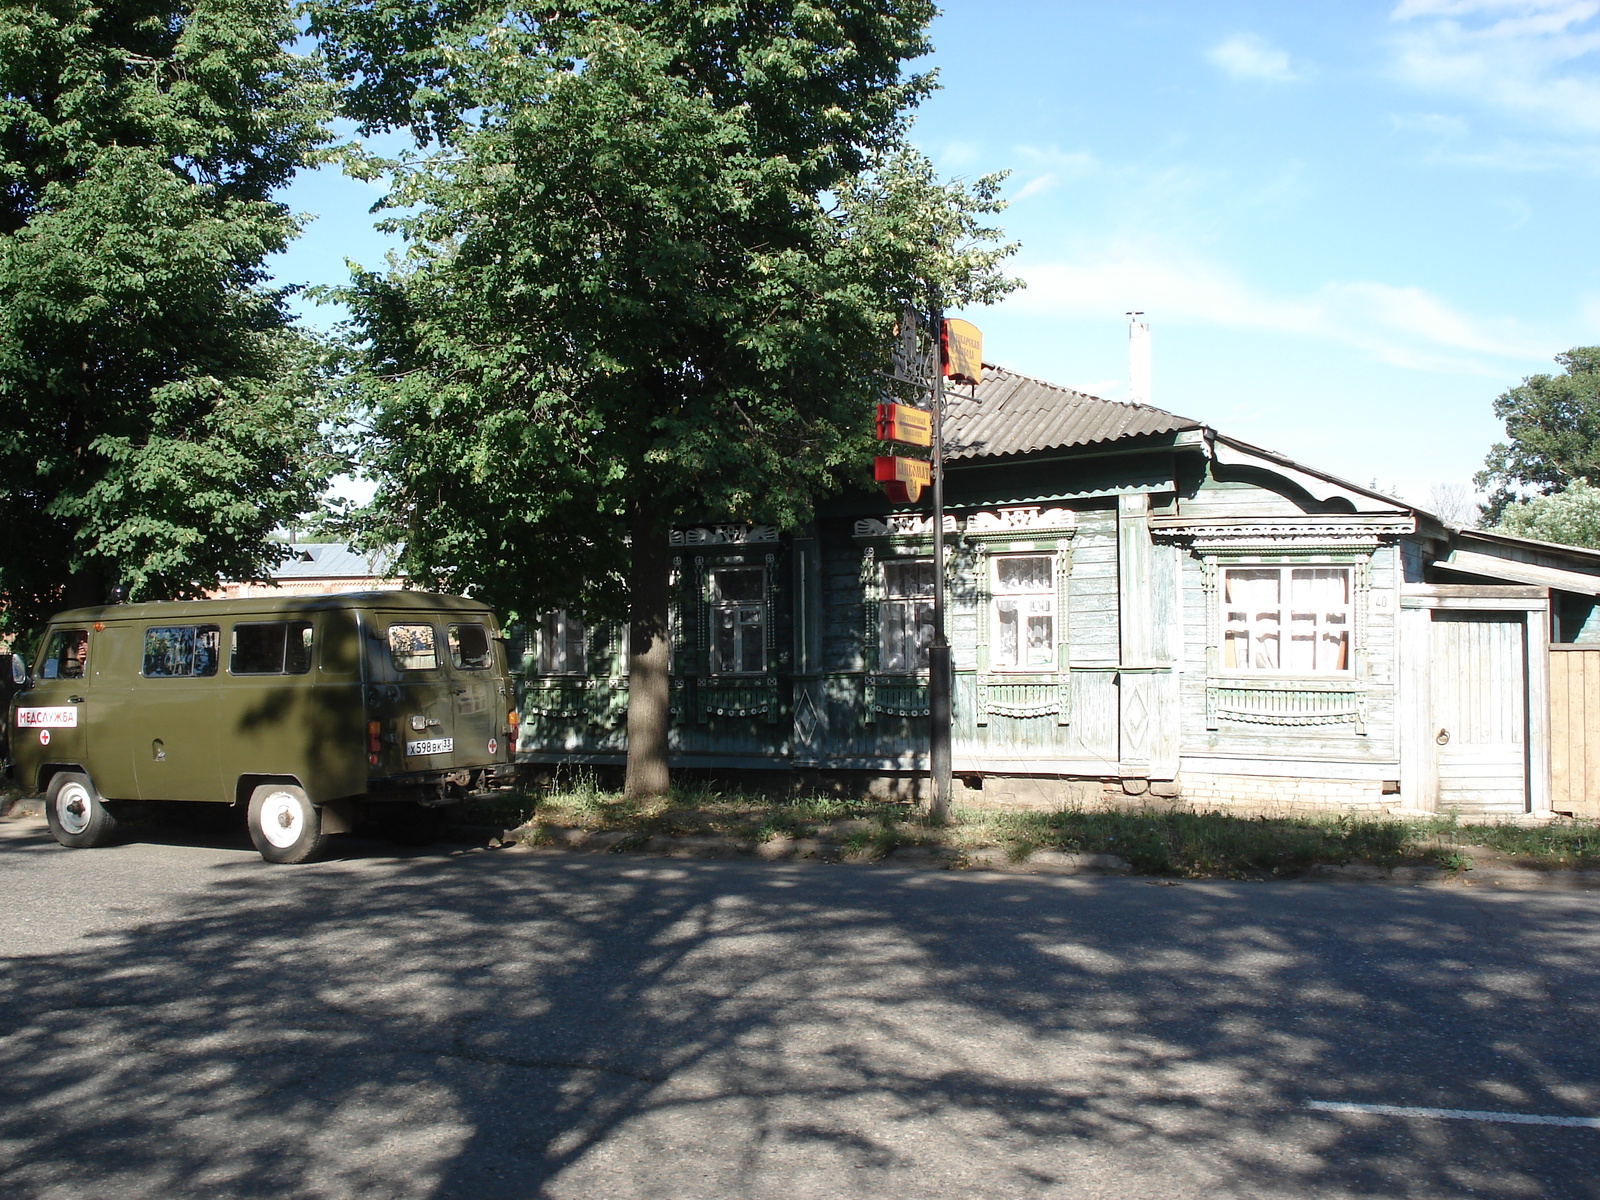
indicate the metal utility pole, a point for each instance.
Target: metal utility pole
{"x":939,"y":652}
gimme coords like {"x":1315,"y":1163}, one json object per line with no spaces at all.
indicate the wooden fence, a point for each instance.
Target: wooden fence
{"x":1575,"y":729}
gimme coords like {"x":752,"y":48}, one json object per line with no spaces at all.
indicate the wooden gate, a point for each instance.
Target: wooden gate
{"x":1575,"y":729}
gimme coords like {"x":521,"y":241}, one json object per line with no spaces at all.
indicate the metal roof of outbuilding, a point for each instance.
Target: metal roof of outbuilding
{"x":1014,"y":413}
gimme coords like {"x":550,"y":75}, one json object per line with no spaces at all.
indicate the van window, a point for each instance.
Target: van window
{"x":181,"y":650}
{"x":411,"y":647}
{"x":469,"y":647}
{"x":66,"y":655}
{"x":271,"y":648}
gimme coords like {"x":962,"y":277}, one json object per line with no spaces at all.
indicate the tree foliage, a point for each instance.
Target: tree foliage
{"x":656,"y":251}
{"x":1553,"y":433}
{"x":1570,"y":516}
{"x":158,"y":413}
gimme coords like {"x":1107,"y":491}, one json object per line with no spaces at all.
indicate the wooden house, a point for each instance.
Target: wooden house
{"x":1139,"y":605}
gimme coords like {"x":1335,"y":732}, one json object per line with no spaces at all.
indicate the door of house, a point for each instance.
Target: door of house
{"x":1575,"y":729}
{"x":1480,"y":711}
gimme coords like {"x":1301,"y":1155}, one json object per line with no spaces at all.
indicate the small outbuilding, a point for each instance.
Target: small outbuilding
{"x":1139,"y":605}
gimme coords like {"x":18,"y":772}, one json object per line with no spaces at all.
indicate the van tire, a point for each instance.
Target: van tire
{"x":77,"y":817}
{"x":285,"y":826}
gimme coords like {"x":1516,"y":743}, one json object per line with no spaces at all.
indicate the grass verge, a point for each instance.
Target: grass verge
{"x":1184,"y":844}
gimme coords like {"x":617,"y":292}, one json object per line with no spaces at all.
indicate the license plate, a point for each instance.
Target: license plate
{"x":431,"y":746}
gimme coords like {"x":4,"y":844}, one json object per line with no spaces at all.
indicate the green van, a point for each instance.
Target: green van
{"x":304,"y":709}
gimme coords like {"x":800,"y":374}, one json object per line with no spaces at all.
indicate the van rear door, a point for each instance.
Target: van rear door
{"x":420,"y":720}
{"x":480,"y":705}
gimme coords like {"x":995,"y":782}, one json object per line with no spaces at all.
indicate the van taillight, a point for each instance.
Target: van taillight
{"x":374,"y":742}
{"x":513,"y":719}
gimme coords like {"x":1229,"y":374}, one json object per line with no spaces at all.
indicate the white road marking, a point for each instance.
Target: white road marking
{"x":1454,"y":1114}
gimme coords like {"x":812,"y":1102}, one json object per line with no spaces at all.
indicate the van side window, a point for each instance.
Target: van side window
{"x":172,"y":651}
{"x":411,"y":647}
{"x":271,"y":648}
{"x":469,"y":647}
{"x":66,"y":656}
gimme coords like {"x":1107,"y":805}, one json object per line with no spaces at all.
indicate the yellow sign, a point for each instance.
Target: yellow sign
{"x":962,"y":345}
{"x":902,"y":423}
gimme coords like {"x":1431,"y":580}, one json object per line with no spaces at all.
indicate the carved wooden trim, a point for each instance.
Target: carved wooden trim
{"x":723,"y":535}
{"x":1286,"y":703}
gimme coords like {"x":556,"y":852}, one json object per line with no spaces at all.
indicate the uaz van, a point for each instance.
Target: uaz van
{"x":304,"y":709}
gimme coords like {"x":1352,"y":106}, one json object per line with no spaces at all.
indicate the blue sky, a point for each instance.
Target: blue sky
{"x":1350,"y":225}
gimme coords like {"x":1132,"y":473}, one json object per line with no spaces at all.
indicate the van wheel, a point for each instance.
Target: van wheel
{"x":77,"y":816}
{"x":284,"y":825}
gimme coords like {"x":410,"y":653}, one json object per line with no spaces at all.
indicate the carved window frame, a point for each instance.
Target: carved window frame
{"x":1019,"y":531}
{"x":1279,"y":700}
{"x":698,"y":694}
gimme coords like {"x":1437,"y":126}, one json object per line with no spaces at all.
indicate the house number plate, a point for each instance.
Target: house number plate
{"x":431,"y":746}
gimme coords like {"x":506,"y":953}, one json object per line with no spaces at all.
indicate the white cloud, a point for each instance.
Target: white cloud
{"x":1528,"y":58}
{"x":1437,"y":124}
{"x":956,"y":155}
{"x":1247,"y":56}
{"x":1402,"y":326}
{"x":1037,"y":186}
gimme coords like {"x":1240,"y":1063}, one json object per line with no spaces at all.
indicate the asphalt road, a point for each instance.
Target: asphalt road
{"x":179,"y":1019}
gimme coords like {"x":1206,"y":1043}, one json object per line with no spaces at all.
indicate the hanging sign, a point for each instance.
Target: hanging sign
{"x":962,"y":351}
{"x":903,"y":478}
{"x":903,"y":423}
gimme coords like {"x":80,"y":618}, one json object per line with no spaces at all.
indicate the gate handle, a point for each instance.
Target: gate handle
{"x":1443,"y":738}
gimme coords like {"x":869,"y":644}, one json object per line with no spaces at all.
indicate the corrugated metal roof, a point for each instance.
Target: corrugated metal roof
{"x":333,"y":560}
{"x":1015,"y":414}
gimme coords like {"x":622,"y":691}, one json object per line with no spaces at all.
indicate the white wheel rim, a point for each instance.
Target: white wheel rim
{"x":282,"y":820}
{"x":74,"y":807}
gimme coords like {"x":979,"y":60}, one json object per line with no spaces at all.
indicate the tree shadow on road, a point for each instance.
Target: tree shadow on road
{"x":518,"y":1025}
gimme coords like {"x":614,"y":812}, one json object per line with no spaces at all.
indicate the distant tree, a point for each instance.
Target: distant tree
{"x":158,"y":413}
{"x":1570,"y":516}
{"x":1553,"y":430}
{"x":655,"y":261}
{"x":1454,"y":502}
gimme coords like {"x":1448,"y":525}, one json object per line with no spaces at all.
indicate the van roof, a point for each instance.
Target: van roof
{"x":196,"y":610}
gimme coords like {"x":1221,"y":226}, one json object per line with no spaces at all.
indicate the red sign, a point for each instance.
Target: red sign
{"x":903,"y":478}
{"x":902,"y":423}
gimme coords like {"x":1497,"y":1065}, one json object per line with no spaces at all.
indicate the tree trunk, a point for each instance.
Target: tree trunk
{"x":649,"y":689}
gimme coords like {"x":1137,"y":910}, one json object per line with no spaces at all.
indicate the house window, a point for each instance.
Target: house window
{"x":1024,"y":636}
{"x":1293,"y":620}
{"x":738,"y":621}
{"x":905,"y":616}
{"x":562,"y":644}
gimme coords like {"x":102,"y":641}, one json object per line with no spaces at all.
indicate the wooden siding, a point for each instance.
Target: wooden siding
{"x":1575,"y":730}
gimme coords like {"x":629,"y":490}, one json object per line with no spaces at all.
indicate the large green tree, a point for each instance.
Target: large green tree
{"x":1570,"y":516}
{"x":656,"y":252}
{"x":158,"y":413}
{"x":1552,"y":433}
